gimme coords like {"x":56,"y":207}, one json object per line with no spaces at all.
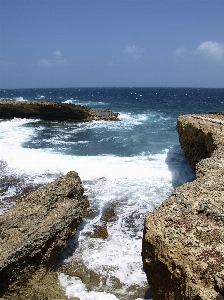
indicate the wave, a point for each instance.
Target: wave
{"x":19,"y":99}
{"x":86,"y":103}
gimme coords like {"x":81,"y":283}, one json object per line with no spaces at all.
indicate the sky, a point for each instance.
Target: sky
{"x":111,"y":43}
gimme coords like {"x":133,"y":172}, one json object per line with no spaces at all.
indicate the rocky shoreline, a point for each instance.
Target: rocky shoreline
{"x":54,"y":111}
{"x":183,"y":242}
{"x":34,"y":231}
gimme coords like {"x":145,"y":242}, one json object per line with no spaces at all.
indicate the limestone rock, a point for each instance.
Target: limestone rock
{"x":183,"y":242}
{"x":33,"y":233}
{"x":53,"y":111}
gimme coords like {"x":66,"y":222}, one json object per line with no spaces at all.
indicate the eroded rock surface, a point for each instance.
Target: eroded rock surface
{"x":32,"y":235}
{"x":53,"y":111}
{"x":183,"y":243}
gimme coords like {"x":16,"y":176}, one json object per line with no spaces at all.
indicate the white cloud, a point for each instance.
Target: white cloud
{"x":133,"y":50}
{"x":211,"y":50}
{"x":45,"y":63}
{"x":57,"y":53}
{"x":55,"y":60}
{"x":180,"y":52}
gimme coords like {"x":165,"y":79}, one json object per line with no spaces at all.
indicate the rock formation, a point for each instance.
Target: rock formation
{"x":53,"y":111}
{"x":34,"y":232}
{"x":183,"y":242}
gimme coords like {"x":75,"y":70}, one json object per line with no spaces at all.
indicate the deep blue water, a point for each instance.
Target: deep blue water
{"x":152,"y":112}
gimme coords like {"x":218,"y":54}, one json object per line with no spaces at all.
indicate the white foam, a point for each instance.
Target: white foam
{"x":13,"y":135}
{"x":8,"y":193}
{"x":69,"y":101}
{"x":40,"y":161}
{"x":86,"y":103}
{"x":74,"y":287}
{"x":20,"y":99}
{"x":40,"y":97}
{"x":120,"y":255}
{"x":131,"y":120}
{"x":128,"y":122}
{"x":137,"y":186}
{"x":6,"y":206}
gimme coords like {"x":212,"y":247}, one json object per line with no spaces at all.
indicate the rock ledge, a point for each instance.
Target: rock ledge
{"x":54,"y":111}
{"x":183,"y":242}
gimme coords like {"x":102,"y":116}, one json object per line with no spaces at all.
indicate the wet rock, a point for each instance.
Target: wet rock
{"x":183,"y":242}
{"x":100,"y":229}
{"x":33,"y":233}
{"x":53,"y":111}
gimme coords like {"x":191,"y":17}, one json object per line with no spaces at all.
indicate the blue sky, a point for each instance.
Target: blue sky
{"x":111,"y":43}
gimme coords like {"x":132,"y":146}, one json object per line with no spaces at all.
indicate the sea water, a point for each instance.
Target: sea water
{"x":128,"y":167}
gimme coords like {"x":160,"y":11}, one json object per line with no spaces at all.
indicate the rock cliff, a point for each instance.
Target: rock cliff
{"x":32,"y":235}
{"x":53,"y":111}
{"x":183,"y":242}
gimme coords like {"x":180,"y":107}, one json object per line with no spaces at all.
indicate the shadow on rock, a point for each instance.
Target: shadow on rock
{"x":148,"y":294}
{"x":71,"y":245}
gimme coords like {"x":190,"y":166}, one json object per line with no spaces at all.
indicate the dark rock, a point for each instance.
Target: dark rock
{"x":53,"y":111}
{"x":100,"y":229}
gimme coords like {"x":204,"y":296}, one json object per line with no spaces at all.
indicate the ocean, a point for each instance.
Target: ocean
{"x":127,"y":168}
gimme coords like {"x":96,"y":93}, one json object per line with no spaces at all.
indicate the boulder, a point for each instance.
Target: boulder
{"x":33,"y":233}
{"x":183,"y":240}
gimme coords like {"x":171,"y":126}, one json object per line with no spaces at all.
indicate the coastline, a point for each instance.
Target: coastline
{"x":201,"y":139}
{"x":183,"y":243}
{"x":168,"y":161}
{"x":54,"y":111}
